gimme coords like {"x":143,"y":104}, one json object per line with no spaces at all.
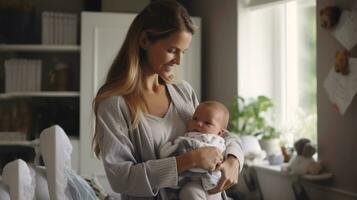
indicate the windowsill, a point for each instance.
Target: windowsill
{"x":276,"y":169}
{"x":321,"y":185}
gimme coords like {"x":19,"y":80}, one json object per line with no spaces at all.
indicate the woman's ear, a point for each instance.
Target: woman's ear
{"x":144,"y":41}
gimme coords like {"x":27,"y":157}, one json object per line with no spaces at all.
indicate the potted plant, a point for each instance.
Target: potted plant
{"x":247,"y":116}
{"x":249,"y":119}
{"x":270,"y":141}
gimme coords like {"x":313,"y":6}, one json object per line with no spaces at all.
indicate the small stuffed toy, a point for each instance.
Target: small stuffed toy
{"x":303,"y":163}
{"x":341,"y":62}
{"x":329,"y":16}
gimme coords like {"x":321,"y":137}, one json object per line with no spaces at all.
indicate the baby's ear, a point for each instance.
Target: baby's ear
{"x":221,"y":132}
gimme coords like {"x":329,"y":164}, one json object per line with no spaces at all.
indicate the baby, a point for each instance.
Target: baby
{"x":206,"y":128}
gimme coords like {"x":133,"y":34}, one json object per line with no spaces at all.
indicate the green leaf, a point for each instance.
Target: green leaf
{"x":246,"y":116}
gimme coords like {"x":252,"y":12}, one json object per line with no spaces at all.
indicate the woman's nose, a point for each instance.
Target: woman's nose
{"x":178,"y":59}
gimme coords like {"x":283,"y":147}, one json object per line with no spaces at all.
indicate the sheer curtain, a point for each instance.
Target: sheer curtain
{"x":278,"y":60}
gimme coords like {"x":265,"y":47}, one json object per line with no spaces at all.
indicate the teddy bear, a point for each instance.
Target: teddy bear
{"x":341,"y":62}
{"x":303,"y":163}
{"x":329,"y":16}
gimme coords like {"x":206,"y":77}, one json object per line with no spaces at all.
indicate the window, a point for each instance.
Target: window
{"x":278,"y":59}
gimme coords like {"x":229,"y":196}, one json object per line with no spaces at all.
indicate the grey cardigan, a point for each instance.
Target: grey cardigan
{"x":131,"y":163}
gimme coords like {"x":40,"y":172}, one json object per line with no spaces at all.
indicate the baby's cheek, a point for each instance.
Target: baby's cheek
{"x":206,"y":130}
{"x":190,"y":125}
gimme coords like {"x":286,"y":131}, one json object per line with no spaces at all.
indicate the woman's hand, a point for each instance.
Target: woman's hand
{"x":207,"y":158}
{"x":230,"y":173}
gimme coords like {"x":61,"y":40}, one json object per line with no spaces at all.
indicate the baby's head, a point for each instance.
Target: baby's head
{"x":209,"y":117}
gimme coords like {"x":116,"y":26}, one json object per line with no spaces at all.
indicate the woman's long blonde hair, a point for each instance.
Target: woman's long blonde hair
{"x":125,"y":77}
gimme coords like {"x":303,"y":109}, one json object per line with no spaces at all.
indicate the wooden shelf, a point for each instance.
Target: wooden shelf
{"x":38,"y":94}
{"x":39,"y":48}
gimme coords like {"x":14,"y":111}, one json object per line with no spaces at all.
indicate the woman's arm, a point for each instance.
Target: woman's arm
{"x":125,"y":174}
{"x":232,"y":165}
{"x":234,"y":148}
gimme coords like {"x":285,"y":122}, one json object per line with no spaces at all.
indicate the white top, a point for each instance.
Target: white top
{"x":163,"y":129}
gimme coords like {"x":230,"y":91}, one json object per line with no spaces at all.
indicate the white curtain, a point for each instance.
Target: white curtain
{"x":253,"y":4}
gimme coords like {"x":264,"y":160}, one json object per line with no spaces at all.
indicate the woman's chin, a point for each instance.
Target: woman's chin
{"x":167,"y":76}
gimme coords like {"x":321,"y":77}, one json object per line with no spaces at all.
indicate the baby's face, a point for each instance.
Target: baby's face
{"x":206,"y":120}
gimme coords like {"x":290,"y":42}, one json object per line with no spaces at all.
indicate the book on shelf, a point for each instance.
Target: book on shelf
{"x":22,"y":75}
{"x":59,"y":28}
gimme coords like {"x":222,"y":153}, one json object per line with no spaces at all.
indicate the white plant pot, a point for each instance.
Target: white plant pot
{"x":271,"y":146}
{"x":250,"y":144}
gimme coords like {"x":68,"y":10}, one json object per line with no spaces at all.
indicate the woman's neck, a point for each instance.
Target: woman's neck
{"x":152,"y":83}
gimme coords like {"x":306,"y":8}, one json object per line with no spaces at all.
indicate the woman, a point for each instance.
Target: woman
{"x":138,"y":109}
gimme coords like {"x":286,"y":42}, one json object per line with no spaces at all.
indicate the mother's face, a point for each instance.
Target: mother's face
{"x":165,"y":54}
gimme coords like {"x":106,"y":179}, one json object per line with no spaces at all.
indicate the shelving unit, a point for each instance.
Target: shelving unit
{"x":48,"y":106}
{"x":30,"y":109}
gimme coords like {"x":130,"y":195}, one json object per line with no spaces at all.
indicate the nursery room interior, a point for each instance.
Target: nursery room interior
{"x":285,"y":69}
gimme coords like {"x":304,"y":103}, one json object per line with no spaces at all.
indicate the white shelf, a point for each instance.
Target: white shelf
{"x":32,"y":143}
{"x":39,"y":48}
{"x":38,"y":94}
